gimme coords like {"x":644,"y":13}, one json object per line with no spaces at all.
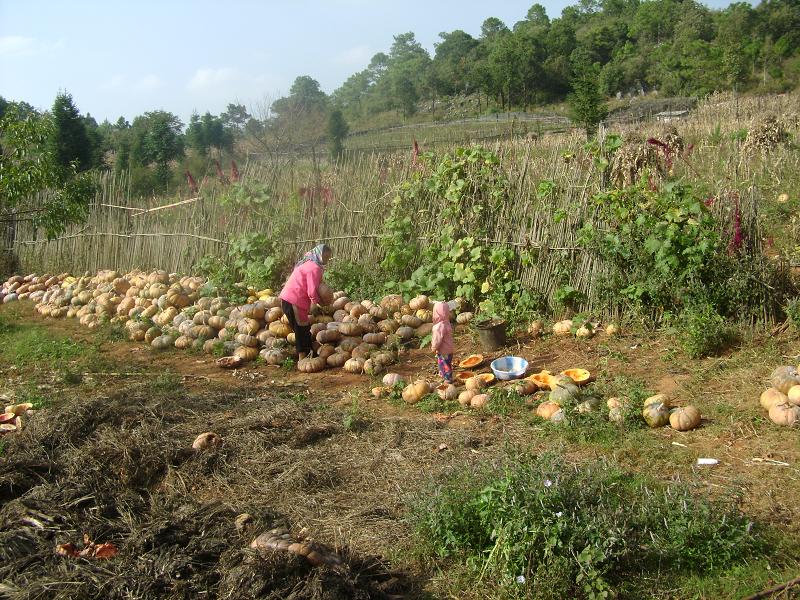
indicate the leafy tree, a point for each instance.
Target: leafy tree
{"x":451,"y":62}
{"x":208,"y":132}
{"x":304,"y":94}
{"x":235,"y":117}
{"x":353,"y":92}
{"x":537,"y":15}
{"x":98,"y":140}
{"x":69,"y":142}
{"x":195,"y":135}
{"x":300,"y":118}
{"x":406,"y":72}
{"x":654,"y":21}
{"x":337,"y":131}
{"x":120,"y":140}
{"x":492,"y":28}
{"x":30,"y":170}
{"x":157,"y":139}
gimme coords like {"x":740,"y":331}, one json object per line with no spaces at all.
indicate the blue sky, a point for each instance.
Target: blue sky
{"x":125,"y":58}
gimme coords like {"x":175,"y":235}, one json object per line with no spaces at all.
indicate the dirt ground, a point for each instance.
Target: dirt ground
{"x":318,"y":455}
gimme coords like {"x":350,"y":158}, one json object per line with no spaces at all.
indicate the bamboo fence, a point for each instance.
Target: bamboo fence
{"x":345,"y":206}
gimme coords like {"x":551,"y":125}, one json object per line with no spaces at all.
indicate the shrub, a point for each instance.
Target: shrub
{"x":792,"y":310}
{"x":664,"y":251}
{"x":359,"y":281}
{"x":535,"y":526}
{"x":702,"y":331}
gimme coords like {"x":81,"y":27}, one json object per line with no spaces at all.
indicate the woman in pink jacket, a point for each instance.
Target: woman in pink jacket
{"x":300,"y":291}
{"x":442,"y":340}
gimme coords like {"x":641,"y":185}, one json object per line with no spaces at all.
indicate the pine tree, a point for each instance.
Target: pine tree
{"x":337,"y":131}
{"x":69,"y":141}
{"x":587,"y":103}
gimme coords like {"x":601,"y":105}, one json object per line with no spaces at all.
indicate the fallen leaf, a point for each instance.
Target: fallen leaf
{"x":67,"y":549}
{"x":90,"y":549}
{"x":106,"y":550}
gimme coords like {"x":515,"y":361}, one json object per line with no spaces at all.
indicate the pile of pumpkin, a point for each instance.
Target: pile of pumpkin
{"x":468,"y":387}
{"x":167,"y":310}
{"x":568,"y":327}
{"x":564,"y":392}
{"x":11,"y":418}
{"x":31,"y":287}
{"x":782,"y":400}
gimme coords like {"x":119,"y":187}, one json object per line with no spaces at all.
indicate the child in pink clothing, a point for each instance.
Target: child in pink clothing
{"x":300,"y":291}
{"x":442,"y":340}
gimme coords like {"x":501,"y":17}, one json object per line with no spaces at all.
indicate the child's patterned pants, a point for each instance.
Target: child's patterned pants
{"x":445,"y":366}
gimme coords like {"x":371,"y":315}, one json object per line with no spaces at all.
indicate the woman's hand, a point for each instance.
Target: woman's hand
{"x":316,"y":310}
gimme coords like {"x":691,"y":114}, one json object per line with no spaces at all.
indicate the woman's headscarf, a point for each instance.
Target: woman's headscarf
{"x":314,"y":255}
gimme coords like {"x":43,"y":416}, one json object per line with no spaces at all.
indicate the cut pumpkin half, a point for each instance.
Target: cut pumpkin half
{"x":19,"y":409}
{"x":579,"y":376}
{"x":471,"y":361}
{"x":464,"y":375}
{"x":487,"y":377}
{"x":544,"y":380}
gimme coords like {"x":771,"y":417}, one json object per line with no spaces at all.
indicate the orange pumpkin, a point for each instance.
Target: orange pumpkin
{"x":465,"y":397}
{"x":785,"y":414}
{"x":547,"y":409}
{"x":525,"y":387}
{"x":772,"y":397}
{"x":479,"y":401}
{"x":784,"y":378}
{"x":684,"y":418}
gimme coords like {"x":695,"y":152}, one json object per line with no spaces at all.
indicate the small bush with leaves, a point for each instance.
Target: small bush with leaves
{"x":359,"y":281}
{"x":702,"y":331}
{"x":537,"y":524}
{"x":252,"y":260}
{"x":792,"y":310}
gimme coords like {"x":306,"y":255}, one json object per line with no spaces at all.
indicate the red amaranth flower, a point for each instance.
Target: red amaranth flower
{"x":738,"y":237}
{"x":192,"y":183}
{"x":222,"y":177}
{"x":234,"y":171}
{"x":665,"y":148}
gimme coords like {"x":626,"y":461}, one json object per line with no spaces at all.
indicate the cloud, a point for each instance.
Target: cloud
{"x":357,"y":55}
{"x":205,"y":79}
{"x":147,"y":83}
{"x":114,"y":82}
{"x":18,"y":45}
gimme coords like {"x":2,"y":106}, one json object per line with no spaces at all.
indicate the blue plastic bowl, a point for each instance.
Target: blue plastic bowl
{"x":509,"y":367}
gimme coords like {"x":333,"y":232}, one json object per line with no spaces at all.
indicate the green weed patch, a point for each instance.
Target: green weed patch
{"x":536,"y":527}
